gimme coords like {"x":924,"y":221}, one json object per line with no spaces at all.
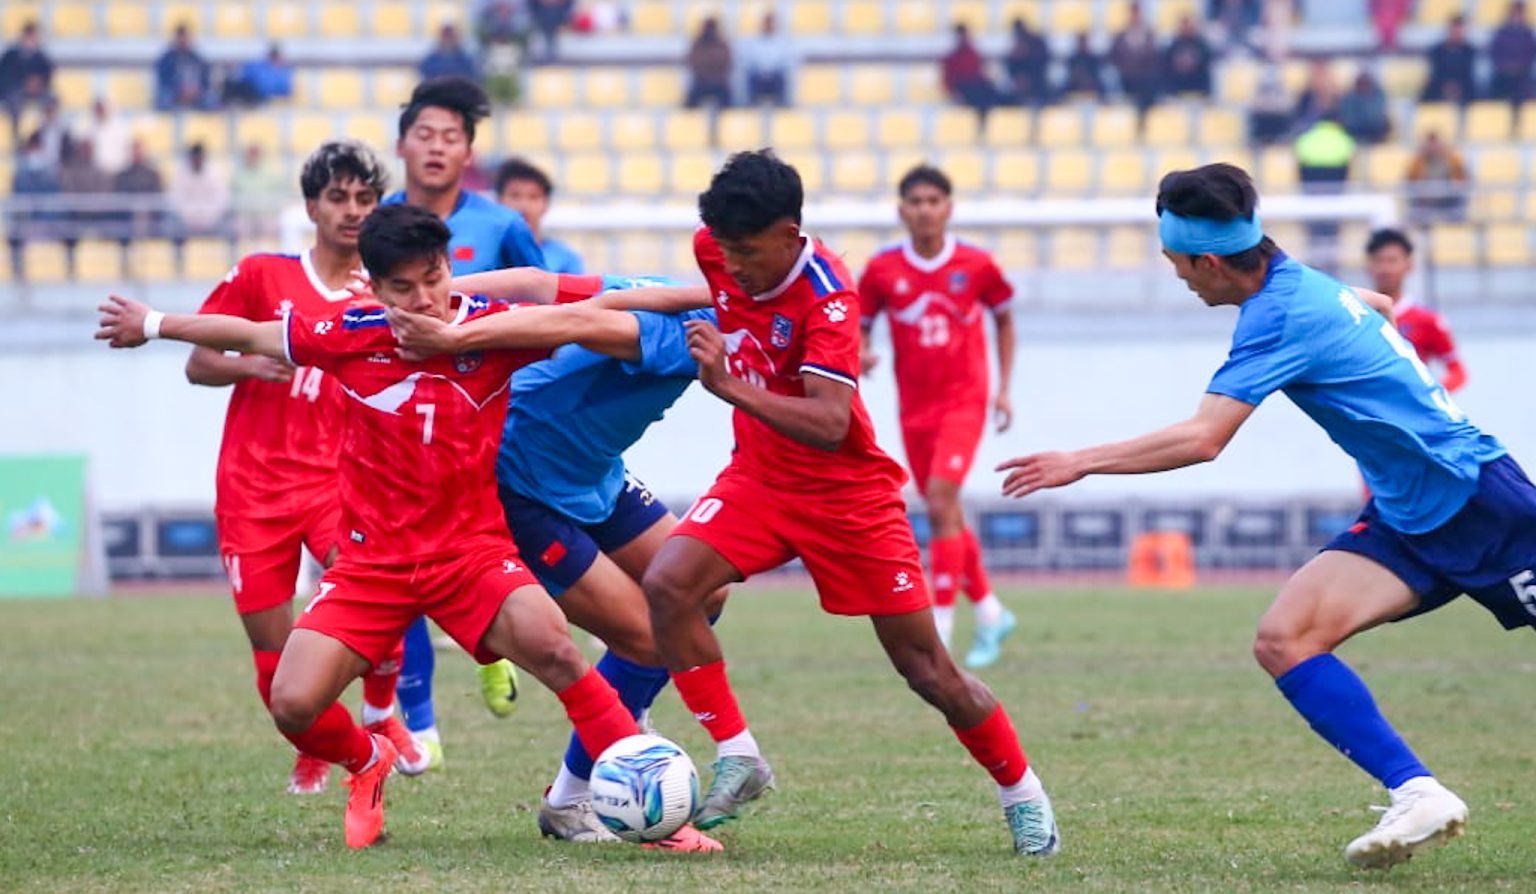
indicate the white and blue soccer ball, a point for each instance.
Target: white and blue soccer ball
{"x":644,"y":788}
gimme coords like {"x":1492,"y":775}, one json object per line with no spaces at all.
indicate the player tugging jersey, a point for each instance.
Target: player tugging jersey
{"x":486,"y":236}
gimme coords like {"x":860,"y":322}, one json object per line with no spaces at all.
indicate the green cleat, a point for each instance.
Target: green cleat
{"x":988,"y":646}
{"x":737,"y":780}
{"x":434,"y":749}
{"x":498,"y":686}
{"x":1033,"y":824}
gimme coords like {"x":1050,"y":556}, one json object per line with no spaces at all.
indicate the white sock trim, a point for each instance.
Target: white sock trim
{"x":1027,"y":789}
{"x":427,"y":735}
{"x":568,"y":789}
{"x":740,"y":745}
{"x":989,"y":609}
{"x":372,"y":715}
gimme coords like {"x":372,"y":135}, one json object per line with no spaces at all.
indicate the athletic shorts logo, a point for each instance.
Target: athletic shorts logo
{"x":464,"y":364}
{"x":357,"y":537}
{"x":903,"y":582}
{"x":510,"y":567}
{"x":783,"y":329}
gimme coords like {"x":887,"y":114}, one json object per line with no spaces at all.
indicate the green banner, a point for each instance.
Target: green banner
{"x":42,"y":525}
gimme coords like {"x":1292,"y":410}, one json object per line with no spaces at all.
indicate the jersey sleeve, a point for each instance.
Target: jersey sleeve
{"x":664,"y":343}
{"x":233,"y":296}
{"x":1440,"y":344}
{"x":832,"y":339}
{"x":571,"y":288}
{"x":1263,"y":359}
{"x":322,"y":340}
{"x":508,"y":360}
{"x":871,"y":296}
{"x":992,"y":287}
{"x":518,"y":247}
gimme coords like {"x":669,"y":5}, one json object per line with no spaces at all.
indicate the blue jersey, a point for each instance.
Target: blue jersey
{"x":560,"y":257}
{"x":486,"y":236}
{"x":1350,"y":370}
{"x":573,"y":416}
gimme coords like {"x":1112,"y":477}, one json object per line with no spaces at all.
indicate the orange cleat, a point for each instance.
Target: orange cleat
{"x":413,"y":759}
{"x":365,"y":806}
{"x":309,"y":776}
{"x":687,"y":838}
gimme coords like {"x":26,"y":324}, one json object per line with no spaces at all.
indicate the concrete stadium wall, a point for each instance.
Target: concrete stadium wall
{"x":153,"y":438}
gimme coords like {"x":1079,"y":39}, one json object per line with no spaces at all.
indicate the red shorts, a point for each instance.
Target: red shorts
{"x":262,"y":555}
{"x":856,"y":544}
{"x":367,"y":607}
{"x":944,"y":448}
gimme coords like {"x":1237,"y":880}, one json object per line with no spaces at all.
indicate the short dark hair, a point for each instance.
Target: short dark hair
{"x":1388,"y":236}
{"x":342,"y":160}
{"x":514,"y":169}
{"x":458,"y":95}
{"x":751,"y":192}
{"x":924,"y":173}
{"x":1219,"y":192}
{"x":399,"y":234}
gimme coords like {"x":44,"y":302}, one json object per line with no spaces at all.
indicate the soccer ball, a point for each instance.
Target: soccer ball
{"x":644,"y":788}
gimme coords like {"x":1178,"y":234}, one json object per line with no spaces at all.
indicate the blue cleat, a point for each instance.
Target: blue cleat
{"x":1033,"y":824}
{"x":988,"y":646}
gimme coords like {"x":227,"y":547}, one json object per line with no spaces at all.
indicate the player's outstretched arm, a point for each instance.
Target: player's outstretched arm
{"x":215,"y":369}
{"x":1198,"y":439}
{"x":126,"y":323}
{"x":1379,"y":303}
{"x":1002,"y":404}
{"x":611,"y":332}
{"x":527,"y":284}
{"x":820,"y":419}
{"x":659,"y":299}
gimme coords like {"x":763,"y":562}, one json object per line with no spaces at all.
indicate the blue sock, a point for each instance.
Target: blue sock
{"x":637,"y":685}
{"x":414,"y":691}
{"x":1340,"y":709}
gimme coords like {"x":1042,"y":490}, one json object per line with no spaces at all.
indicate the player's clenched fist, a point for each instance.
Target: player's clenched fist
{"x":1043,"y":470}
{"x":707,"y":346}
{"x":122,"y":322}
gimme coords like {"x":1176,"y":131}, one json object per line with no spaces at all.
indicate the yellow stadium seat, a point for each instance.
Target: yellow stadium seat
{"x":1404,"y":75}
{"x":45,"y":262}
{"x":900,"y":129}
{"x":856,"y":172}
{"x":233,"y":20}
{"x":810,"y":17}
{"x":652,"y":19}
{"x":689,"y":172}
{"x":306,"y":130}
{"x":1507,"y":245}
{"x":640,"y":173}
{"x":340,"y":88}
{"x":863,"y":17}
{"x":444,"y":12}
{"x":1061,"y":126}
{"x":605,"y":88}
{"x":1031,"y":11}
{"x":1453,"y":245}
{"x":924,"y":85}
{"x":392,"y":86}
{"x":739,"y":129}
{"x":127,"y":19}
{"x":1074,"y":248}
{"x":966,"y":168}
{"x":1017,"y":169}
{"x":819,"y":85}
{"x":1123,"y":172}
{"x":1069,"y":171}
{"x":685,"y":130}
{"x":1504,"y":166}
{"x":1171,"y":12}
{"x":661,"y":87}
{"x":917,"y":17}
{"x":128,"y":90}
{"x":1237,"y":81}
{"x":259,"y":128}
{"x":524,"y":132}
{"x":7,"y":176}
{"x":628,"y":131}
{"x":1488,"y":205}
{"x":371,"y":130}
{"x":340,"y":20}
{"x":1440,"y":117}
{"x":1387,"y":165}
{"x":975,"y":14}
{"x":394,"y":18}
{"x":1237,"y":156}
{"x":845,"y":130}
{"x":16,"y":13}
{"x":73,"y":87}
{"x":206,"y":258}
{"x":792,"y":130}
{"x":1016,"y":248}
{"x":1439,"y":12}
{"x":1007,"y":128}
{"x":209,"y":128}
{"x":286,"y":20}
{"x":1489,"y":121}
{"x":158,"y":135}
{"x":1117,"y":15}
{"x":1220,"y":127}
{"x":1112,"y":126}
{"x":588,"y":174}
{"x":1489,"y":13}
{"x":98,"y":261}
{"x":1166,"y":160}
{"x":955,"y":127}
{"x":577,"y":131}
{"x":872,"y":85}
{"x":639,"y":251}
{"x":152,"y":260}
{"x":1070,"y":17}
{"x":1277,"y":169}
{"x":1130,"y":248}
{"x":1168,"y":125}
{"x":812,"y":168}
{"x":70,"y":20}
{"x":553,"y":88}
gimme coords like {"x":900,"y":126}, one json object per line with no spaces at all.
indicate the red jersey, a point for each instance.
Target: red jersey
{"x":418,"y":475}
{"x":1426,"y":331}
{"x":807,"y":325}
{"x":281,"y":441}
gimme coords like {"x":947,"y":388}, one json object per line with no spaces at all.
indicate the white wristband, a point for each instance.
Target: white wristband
{"x":152,"y":321}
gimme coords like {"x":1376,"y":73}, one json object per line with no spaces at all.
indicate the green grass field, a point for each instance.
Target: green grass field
{"x":137,"y":758}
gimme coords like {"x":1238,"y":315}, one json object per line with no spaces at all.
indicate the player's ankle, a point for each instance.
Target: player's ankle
{"x":740,"y":745}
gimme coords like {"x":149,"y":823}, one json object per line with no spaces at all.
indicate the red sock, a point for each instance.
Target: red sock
{"x":335,"y":737}
{"x":994,"y":745}
{"x":708,"y":695}
{"x":977,"y":586}
{"x":946,"y":561}
{"x":379,"y":683}
{"x":597,"y":714}
{"x":266,"y":669}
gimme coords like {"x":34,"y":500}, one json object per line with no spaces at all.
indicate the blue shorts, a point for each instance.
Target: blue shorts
{"x":559,"y":550}
{"x":1487,"y":550}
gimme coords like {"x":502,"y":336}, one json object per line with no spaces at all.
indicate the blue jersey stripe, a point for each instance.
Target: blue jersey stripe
{"x":822,"y":277}
{"x":363,"y":318}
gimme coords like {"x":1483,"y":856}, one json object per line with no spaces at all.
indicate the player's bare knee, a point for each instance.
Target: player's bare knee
{"x":667,"y":592}
{"x":1278,"y":648}
{"x":293,"y":711}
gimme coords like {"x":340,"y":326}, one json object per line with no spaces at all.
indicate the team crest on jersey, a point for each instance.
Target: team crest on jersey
{"x":957,"y":281}
{"x":782,"y":331}
{"x":466,"y":363}
{"x":902,"y":286}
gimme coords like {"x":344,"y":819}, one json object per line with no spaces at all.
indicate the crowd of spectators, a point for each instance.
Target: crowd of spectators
{"x":1511,"y":54}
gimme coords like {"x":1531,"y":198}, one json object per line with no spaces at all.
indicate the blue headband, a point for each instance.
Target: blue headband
{"x":1201,"y":236}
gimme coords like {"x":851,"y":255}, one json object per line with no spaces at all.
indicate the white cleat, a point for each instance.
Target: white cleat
{"x":1424,"y":814}
{"x":576,"y":822}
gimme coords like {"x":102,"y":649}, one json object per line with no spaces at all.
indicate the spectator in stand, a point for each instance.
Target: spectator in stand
{"x":1235,"y":18}
{"x":1323,"y":155}
{"x":1085,"y":69}
{"x":109,"y":135}
{"x":965,"y":75}
{"x":89,"y":186}
{"x":503,"y":21}
{"x":26,"y":74}
{"x":1028,"y":65}
{"x":35,"y":179}
{"x":1270,"y":114}
{"x":766,"y":61}
{"x":257,"y":188}
{"x":262,"y":80}
{"x":199,"y":196}
{"x":449,"y":58}
{"x":709,"y":67}
{"x":141,"y":181}
{"x":1451,"y":63}
{"x":1388,"y":16}
{"x":1437,"y":181}
{"x":183,"y":79}
{"x":527,"y":190}
{"x":1320,"y":97}
{"x":1138,"y":61}
{"x":549,"y":16}
{"x":1512,"y":51}
{"x":1187,"y":60}
{"x":1363,"y":110}
{"x":53,"y":132}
